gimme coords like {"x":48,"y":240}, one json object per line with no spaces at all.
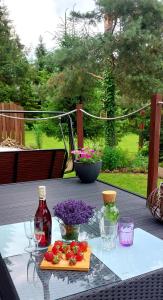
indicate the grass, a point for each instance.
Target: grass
{"x":133,"y":182}
{"x":129,"y":143}
{"x":47,"y":142}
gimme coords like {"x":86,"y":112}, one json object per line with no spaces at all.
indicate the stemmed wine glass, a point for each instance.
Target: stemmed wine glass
{"x":38,"y":235}
{"x":31,"y":269}
{"x":28,"y":228}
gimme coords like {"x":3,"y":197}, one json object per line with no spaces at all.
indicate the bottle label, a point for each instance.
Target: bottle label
{"x":42,"y":192}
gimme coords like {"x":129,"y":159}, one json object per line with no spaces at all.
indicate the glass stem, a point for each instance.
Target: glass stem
{"x":36,"y":245}
{"x":30,"y":243}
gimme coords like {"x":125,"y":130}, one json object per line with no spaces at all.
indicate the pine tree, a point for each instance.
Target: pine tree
{"x":14,"y":68}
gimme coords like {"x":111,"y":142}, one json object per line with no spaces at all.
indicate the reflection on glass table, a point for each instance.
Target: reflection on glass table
{"x":31,"y":269}
{"x":50,"y":285}
{"x":9,"y":246}
{"x":28,"y":229}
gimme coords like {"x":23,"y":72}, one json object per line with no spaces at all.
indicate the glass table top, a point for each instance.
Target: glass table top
{"x":35,"y":284}
{"x":145,"y":255}
{"x":13,"y":239}
{"x":107,"y":267}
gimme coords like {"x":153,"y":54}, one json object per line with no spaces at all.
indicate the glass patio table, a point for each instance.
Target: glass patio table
{"x":33,"y":283}
{"x":104,"y":279}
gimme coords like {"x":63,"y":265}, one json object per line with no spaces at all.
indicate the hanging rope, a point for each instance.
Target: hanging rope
{"x":39,"y":119}
{"x":63,"y":137}
{"x":116,"y":118}
{"x":85,"y":112}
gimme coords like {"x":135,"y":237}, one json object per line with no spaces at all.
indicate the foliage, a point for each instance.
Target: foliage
{"x":114,"y":158}
{"x":38,"y":134}
{"x":14,"y":67}
{"x":140,"y":163}
{"x":109,"y":107}
{"x":73,"y":212}
{"x":63,"y":99}
{"x":129,"y":143}
{"x":133,"y":44}
{"x":144,"y":151}
{"x":40,"y":54}
{"x":87,"y":155}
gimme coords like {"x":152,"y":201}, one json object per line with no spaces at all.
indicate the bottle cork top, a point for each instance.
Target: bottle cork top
{"x":42,"y":191}
{"x":109,"y":196}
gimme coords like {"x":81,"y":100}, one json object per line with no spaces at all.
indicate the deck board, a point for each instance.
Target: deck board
{"x":19,"y":201}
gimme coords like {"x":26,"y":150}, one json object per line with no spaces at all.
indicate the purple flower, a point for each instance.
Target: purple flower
{"x":73,"y":212}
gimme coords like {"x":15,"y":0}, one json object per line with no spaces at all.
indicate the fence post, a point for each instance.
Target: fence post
{"x":154,"y":143}
{"x":80,"y":132}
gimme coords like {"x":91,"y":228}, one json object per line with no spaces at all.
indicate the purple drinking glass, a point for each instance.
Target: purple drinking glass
{"x":126,"y":231}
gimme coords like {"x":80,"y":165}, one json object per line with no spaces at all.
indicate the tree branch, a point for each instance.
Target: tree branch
{"x":95,"y":76}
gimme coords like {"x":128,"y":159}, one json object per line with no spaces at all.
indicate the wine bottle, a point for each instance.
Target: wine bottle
{"x":43,"y":220}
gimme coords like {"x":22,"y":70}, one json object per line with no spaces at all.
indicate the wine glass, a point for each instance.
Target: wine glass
{"x":29,"y":234}
{"x":38,"y":235}
{"x":31,"y":269}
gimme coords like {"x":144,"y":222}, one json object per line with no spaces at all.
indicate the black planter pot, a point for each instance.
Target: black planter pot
{"x":87,"y":172}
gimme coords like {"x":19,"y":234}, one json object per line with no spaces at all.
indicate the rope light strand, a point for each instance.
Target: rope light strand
{"x":115,"y":118}
{"x":39,"y":119}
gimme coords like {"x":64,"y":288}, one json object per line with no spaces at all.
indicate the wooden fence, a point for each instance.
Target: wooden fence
{"x":12,"y":128}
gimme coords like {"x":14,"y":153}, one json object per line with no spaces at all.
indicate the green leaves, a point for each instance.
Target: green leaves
{"x":111,"y":213}
{"x":14,"y":68}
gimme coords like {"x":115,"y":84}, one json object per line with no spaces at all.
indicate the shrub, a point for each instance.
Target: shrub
{"x":114,"y":158}
{"x":140,"y":163}
{"x":144,"y":151}
{"x":38,"y":135}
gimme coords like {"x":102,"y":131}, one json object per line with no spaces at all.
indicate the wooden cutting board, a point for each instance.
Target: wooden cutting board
{"x":83,"y":265}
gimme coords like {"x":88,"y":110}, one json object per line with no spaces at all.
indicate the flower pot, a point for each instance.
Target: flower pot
{"x":69,"y":232}
{"x":87,"y":172}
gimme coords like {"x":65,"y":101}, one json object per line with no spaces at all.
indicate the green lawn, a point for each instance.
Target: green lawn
{"x":47,"y":142}
{"x":133,"y":182}
{"x":129,"y":143}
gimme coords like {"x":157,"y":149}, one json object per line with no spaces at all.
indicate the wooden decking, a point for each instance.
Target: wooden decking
{"x":18,"y":201}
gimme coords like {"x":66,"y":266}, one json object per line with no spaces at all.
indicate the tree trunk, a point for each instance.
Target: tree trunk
{"x":109,"y":107}
{"x":109,"y":92}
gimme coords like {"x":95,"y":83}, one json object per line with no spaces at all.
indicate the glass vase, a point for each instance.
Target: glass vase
{"x":69,"y":232}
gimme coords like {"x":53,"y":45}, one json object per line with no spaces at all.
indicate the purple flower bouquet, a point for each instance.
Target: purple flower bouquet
{"x":72,"y":213}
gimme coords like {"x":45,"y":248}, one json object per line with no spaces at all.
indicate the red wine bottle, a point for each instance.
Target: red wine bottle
{"x":43,"y":220}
